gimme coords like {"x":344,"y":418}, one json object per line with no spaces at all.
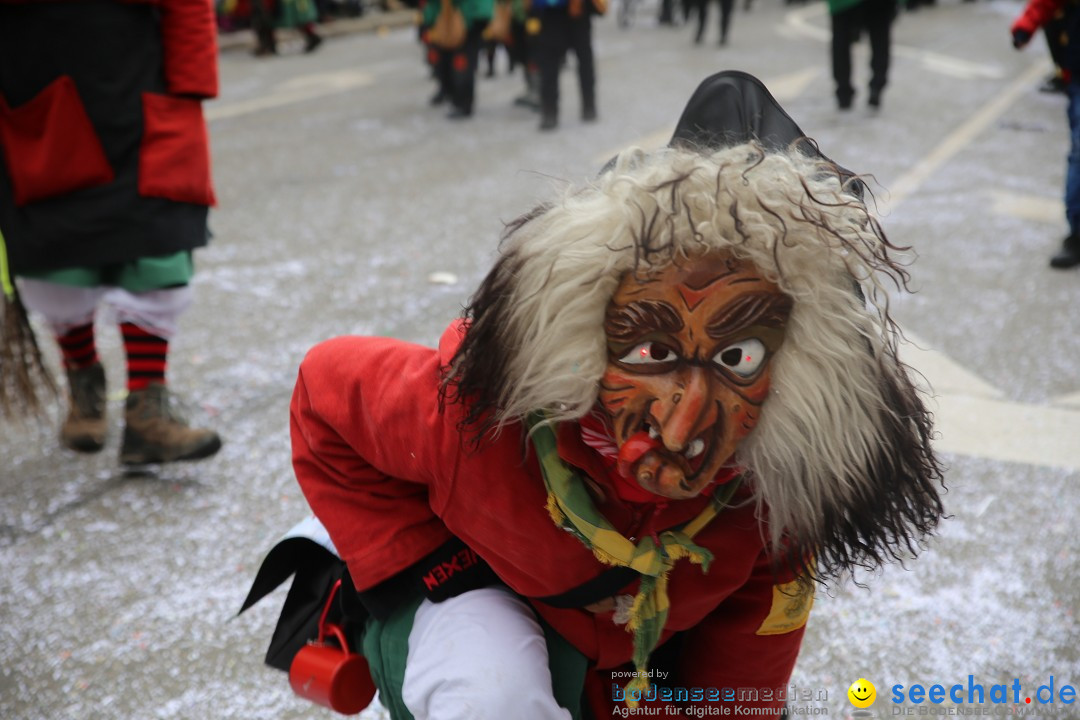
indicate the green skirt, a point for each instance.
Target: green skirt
{"x":142,"y":275}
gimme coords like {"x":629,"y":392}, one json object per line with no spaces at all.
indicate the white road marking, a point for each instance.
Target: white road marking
{"x":1071,"y":400}
{"x":974,"y":418}
{"x":792,"y":85}
{"x":1027,"y":207}
{"x":1007,"y":431}
{"x":942,"y":373}
{"x":962,"y":136}
{"x":798,"y":23}
{"x":299,"y":89}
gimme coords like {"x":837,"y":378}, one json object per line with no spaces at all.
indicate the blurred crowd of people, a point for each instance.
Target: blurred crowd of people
{"x":265,"y":17}
{"x":539,"y":34}
{"x":537,"y":37}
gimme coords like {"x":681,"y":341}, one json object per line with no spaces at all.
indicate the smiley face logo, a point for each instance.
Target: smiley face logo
{"x":862,"y":693}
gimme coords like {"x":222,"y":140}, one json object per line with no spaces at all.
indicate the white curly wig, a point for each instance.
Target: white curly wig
{"x":841,"y":457}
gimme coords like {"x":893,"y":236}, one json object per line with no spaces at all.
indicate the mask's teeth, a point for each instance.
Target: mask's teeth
{"x":695,"y":448}
{"x":654,"y":433}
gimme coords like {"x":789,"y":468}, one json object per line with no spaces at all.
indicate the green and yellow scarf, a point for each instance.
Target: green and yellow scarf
{"x":572,"y":509}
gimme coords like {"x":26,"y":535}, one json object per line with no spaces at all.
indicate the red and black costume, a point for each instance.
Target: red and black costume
{"x":385,"y":469}
{"x":109,"y":92}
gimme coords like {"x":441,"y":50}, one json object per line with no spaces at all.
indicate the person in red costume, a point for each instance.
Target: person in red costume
{"x":104,"y":192}
{"x":1064,"y":17}
{"x":671,"y":408}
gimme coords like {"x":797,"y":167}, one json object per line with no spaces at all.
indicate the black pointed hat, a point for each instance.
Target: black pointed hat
{"x":731,"y":108}
{"x":734,"y":107}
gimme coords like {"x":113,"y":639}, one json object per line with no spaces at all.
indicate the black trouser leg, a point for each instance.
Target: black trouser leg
{"x":516,"y":48}
{"x":464,"y":62}
{"x":262,"y":22}
{"x":878,"y":15}
{"x":667,"y":12}
{"x":581,"y":37}
{"x":551,"y":48}
{"x":444,"y":73}
{"x":726,"y":7}
{"x":844,"y":26}
{"x":702,"y":17}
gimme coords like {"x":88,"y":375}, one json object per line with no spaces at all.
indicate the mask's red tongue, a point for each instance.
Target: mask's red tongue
{"x":633,"y":449}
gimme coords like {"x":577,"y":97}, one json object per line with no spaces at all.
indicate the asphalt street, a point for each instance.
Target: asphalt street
{"x":348,"y":205}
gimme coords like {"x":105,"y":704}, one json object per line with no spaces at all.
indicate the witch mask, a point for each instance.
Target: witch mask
{"x":689,"y":351}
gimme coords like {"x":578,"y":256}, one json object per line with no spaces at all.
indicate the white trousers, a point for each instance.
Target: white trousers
{"x":478,"y":656}
{"x":65,"y":307}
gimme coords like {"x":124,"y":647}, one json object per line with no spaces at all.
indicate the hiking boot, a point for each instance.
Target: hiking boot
{"x":84,"y":428}
{"x":1069,"y":255}
{"x":155,"y":433}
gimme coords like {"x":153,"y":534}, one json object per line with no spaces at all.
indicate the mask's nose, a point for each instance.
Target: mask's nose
{"x":681,"y":414}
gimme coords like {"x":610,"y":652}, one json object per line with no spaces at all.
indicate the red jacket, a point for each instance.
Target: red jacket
{"x":1036,"y":14}
{"x":1065,"y":18}
{"x":384,"y":469}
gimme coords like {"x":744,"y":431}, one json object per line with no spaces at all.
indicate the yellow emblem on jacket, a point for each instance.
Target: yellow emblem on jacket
{"x":791,"y":603}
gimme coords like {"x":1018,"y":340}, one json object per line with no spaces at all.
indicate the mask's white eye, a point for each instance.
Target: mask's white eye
{"x":742,"y":358}
{"x":647,"y":353}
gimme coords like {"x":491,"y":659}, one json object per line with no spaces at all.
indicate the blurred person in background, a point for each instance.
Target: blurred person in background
{"x":566,"y":25}
{"x":1037,"y":14}
{"x":455,"y":58}
{"x":266,"y":15}
{"x":104,"y":192}
{"x":498,"y":33}
{"x":525,"y":34}
{"x":726,"y":7}
{"x":1053,"y":32}
{"x":849,"y":19}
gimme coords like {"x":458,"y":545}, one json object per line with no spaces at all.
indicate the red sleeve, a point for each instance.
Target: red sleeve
{"x":369,"y":450}
{"x":1036,"y":14}
{"x":189,"y":37}
{"x":746,"y":648}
